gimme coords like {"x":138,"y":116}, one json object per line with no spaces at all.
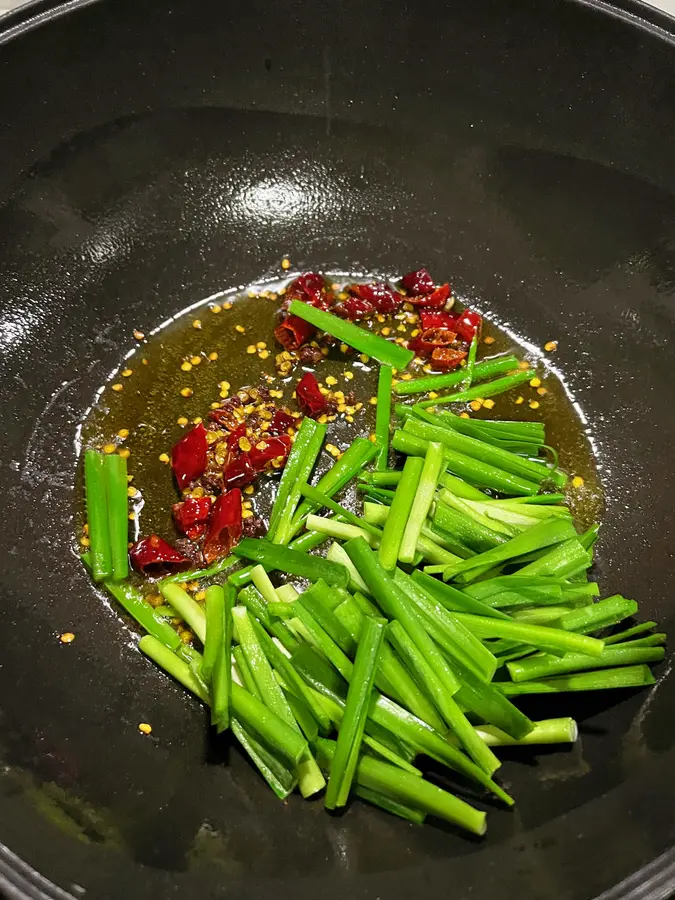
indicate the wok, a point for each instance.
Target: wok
{"x":154,"y":153}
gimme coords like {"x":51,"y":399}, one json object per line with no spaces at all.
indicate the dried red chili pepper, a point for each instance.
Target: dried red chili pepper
{"x":188,"y":457}
{"x":238,"y":473}
{"x":468,"y":324}
{"x":153,"y":556}
{"x":437,"y":319}
{"x":224,"y":529}
{"x":354,"y":308}
{"x":293,"y":332}
{"x":418,"y":282}
{"x":310,"y":399}
{"x":431,"y":338}
{"x":192,"y":515}
{"x":310,"y":288}
{"x":224,"y":415}
{"x":435,"y":299}
{"x":281,"y":422}
{"x":274,"y":448}
{"x":383,"y":298}
{"x":447,"y":357}
{"x":233,"y":448}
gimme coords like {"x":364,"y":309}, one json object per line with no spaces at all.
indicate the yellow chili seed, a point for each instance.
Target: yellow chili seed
{"x":261,"y":345}
{"x":186,"y":366}
{"x":197,"y":420}
{"x":197,"y":324}
{"x":364,"y":358}
{"x":145,"y":728}
{"x":577,"y":481}
{"x":400,"y":327}
{"x":488,"y":404}
{"x":200,"y":595}
{"x":244,"y":444}
{"x":127,"y":372}
{"x":123,"y":433}
{"x":464,"y":415}
{"x":213,"y":356}
{"x":227,"y":305}
{"x":224,"y":385}
{"x":67,"y":637}
{"x":373,"y":401}
{"x":139,"y":335}
{"x":386,"y":330}
{"x":519,"y":400}
{"x":523,"y":364}
{"x":373,"y":438}
{"x":186,"y":392}
{"x":144,"y":361}
{"x":181,"y":420}
{"x":250,"y":349}
{"x":488,"y":340}
{"x":84,"y":541}
{"x":195,"y":360}
{"x":343,"y":348}
{"x":533,"y":404}
{"x":475,"y":405}
{"x":285,"y":263}
{"x":414,"y":332}
{"x":264,"y":354}
{"x":216,"y":309}
{"x":542,"y":391}
{"x":118,"y":387}
{"x":330,"y":379}
{"x":240,"y":329}
{"x":433,"y":395}
{"x":125,"y":453}
{"x":550,"y":346}
{"x":131,"y":492}
{"x":132,"y":516}
{"x":349,"y":376}
{"x":535,"y":382}
{"x":249,"y":489}
{"x":109,"y":448}
{"x":164,"y":457}
{"x":406,"y":376}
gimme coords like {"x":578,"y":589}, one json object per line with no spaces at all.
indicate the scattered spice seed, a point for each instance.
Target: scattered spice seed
{"x":535,"y":382}
{"x":197,"y":420}
{"x":261,"y":345}
{"x":67,"y":637}
{"x":224,"y":385}
{"x":264,"y":354}
{"x":195,"y":360}
{"x":349,"y":376}
{"x":197,"y":324}
{"x":577,"y":481}
{"x":373,"y":401}
{"x":123,"y":433}
{"x":464,"y":415}
{"x":145,"y":728}
{"x":186,"y":366}
{"x":550,"y":346}
{"x":373,"y":438}
{"x":126,"y":373}
{"x":343,"y":348}
{"x":476,"y":405}
{"x":240,"y":329}
{"x":228,"y":305}
{"x":84,"y":541}
{"x":125,"y":453}
{"x":488,"y":404}
{"x":330,"y":379}
{"x":109,"y":448}
{"x":523,"y":364}
{"x":216,"y":309}
{"x":285,"y":263}
{"x":542,"y":391}
{"x":132,"y":516}
{"x":400,"y":327}
{"x":250,"y":349}
{"x":213,"y":356}
{"x":364,"y":358}
{"x":186,"y":392}
{"x":385,"y":331}
{"x":181,"y":420}
{"x":534,"y":404}
{"x":249,"y":489}
{"x":200,"y":596}
{"x":118,"y":387}
{"x":519,"y":400}
{"x":139,"y":335}
{"x":164,"y":457}
{"x":406,"y":376}
{"x":489,"y":339}
{"x":131,"y":492}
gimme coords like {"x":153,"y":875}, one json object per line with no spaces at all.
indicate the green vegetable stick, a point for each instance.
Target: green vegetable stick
{"x":383,"y":416}
{"x":392,"y":534}
{"x":483,"y":371}
{"x":544,"y":665}
{"x":100,"y":549}
{"x":423,"y":498}
{"x":546,"y":638}
{"x":115,"y":475}
{"x":284,"y":559}
{"x":187,"y":608}
{"x":350,"y":735}
{"x":221,"y":682}
{"x":604,"y":679}
{"x":491,"y":389}
{"x":215,"y":630}
{"x":364,"y":341}
{"x":599,"y":615}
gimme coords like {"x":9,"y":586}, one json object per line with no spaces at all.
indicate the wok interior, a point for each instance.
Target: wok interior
{"x":128,"y":196}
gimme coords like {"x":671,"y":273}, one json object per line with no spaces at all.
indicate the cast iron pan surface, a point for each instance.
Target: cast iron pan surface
{"x":154,"y":153}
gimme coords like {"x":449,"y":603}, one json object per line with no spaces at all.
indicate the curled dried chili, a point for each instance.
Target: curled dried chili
{"x":418,"y":282}
{"x":382,"y":298}
{"x":153,"y":556}
{"x":293,"y":332}
{"x":310,"y":399}
{"x":188,"y":457}
{"x":310,"y":288}
{"x":435,"y":299}
{"x":468,"y":324}
{"x":225,"y":526}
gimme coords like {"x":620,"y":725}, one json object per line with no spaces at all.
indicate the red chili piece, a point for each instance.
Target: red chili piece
{"x":281,"y":422}
{"x":191,"y":516}
{"x":436,"y":299}
{"x":188,"y":457}
{"x":224,"y":529}
{"x":310,"y":288}
{"x":382,"y":298}
{"x":468,"y":324}
{"x":447,"y":357}
{"x":293,"y":332}
{"x":275,"y":448}
{"x":153,"y":556}
{"x":430,"y":339}
{"x":419,"y":282}
{"x":310,"y":399}
{"x":355,"y":308}
{"x":437,"y":320}
{"x":239,"y":472}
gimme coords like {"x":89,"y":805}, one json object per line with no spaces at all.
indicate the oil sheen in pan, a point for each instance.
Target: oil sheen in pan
{"x":152,"y":405}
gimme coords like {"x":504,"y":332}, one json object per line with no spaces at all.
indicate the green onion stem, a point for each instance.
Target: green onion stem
{"x":100,"y":549}
{"x":401,"y":505}
{"x":187,"y":608}
{"x":491,"y":389}
{"x":483,"y":371}
{"x":422,"y":500}
{"x":604,"y":679}
{"x":115,"y":475}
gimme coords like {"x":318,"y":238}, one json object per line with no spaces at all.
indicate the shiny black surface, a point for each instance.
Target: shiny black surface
{"x":155,"y":153}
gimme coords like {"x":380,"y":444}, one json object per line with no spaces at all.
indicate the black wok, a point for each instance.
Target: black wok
{"x":153,"y":153}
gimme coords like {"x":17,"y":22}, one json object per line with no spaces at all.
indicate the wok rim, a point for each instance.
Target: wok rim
{"x":654,"y":881}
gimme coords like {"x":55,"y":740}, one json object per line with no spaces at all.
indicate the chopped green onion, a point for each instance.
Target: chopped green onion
{"x":551,"y":639}
{"x":284,"y":527}
{"x":599,"y":615}
{"x":383,"y":416}
{"x":364,"y":341}
{"x":422,"y":500}
{"x":187,"y":608}
{"x":100,"y":549}
{"x":483,"y":370}
{"x":115,"y":475}
{"x":394,"y":527}
{"x":275,"y":557}
{"x":215,"y":629}
{"x":604,"y":679}
{"x":499,"y":386}
{"x":221,"y":682}
{"x":321,"y":500}
{"x":544,"y":666}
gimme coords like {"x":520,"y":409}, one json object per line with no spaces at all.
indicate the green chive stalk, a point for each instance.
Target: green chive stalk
{"x":115,"y":476}
{"x":400,"y":510}
{"x":483,"y":371}
{"x":100,"y":549}
{"x":490,"y":389}
{"x":383,"y":416}
{"x":422,"y":500}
